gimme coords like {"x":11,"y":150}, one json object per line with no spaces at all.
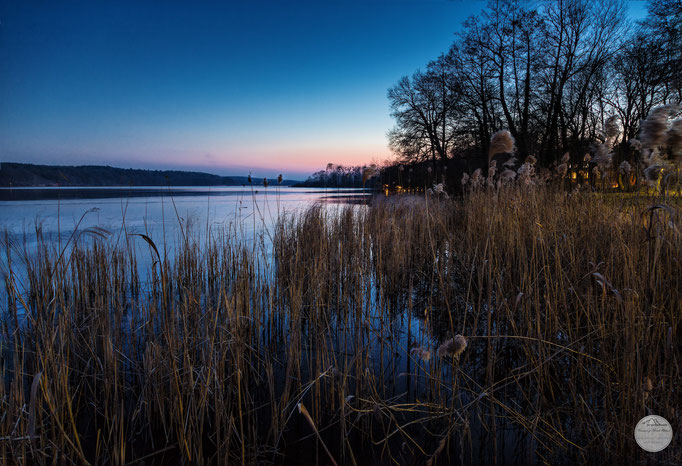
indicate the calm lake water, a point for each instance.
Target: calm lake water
{"x":64,"y":215}
{"x":157,"y":212}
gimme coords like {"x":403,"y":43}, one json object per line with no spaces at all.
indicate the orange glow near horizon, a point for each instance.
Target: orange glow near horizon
{"x":308,"y":159}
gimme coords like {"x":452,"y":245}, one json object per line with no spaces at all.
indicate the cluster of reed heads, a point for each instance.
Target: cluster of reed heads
{"x":655,"y":155}
{"x":502,"y":326}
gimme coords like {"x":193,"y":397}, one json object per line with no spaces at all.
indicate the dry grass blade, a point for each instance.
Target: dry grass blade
{"x":302,"y":409}
{"x":32,"y":406}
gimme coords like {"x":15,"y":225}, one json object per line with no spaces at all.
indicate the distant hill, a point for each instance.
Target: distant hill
{"x":24,"y":174}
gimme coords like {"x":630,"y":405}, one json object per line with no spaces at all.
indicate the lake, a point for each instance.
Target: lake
{"x":157,"y":212}
{"x":61,"y":216}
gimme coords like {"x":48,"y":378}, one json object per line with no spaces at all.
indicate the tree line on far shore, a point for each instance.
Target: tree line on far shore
{"x":342,"y":176}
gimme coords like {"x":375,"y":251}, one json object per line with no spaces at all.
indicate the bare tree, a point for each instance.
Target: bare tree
{"x":422,"y":107}
{"x":551,"y":76}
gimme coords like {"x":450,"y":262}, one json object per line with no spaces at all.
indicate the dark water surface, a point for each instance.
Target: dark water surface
{"x":155,"y":211}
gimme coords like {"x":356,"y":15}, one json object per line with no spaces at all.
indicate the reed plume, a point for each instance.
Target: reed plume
{"x":612,"y":129}
{"x":502,"y":142}
{"x":476,"y":179}
{"x":652,"y":133}
{"x":635,"y":144}
{"x":526,"y":171}
{"x":653,"y":172}
{"x":510,"y":162}
{"x":625,"y":167}
{"x":452,"y":347}
{"x":421,"y":353}
{"x":492,"y":169}
{"x":507,"y":176}
{"x":675,"y":138}
{"x":368,"y":173}
{"x":602,"y":157}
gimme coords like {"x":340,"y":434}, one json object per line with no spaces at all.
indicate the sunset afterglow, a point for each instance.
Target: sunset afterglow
{"x":234,"y":87}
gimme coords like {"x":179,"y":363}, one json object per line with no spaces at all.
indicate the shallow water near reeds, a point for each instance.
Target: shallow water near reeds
{"x":63,"y":217}
{"x":158,"y":226}
{"x":314,"y":336}
{"x":158,"y":212}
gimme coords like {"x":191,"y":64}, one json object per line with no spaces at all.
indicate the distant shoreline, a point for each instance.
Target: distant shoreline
{"x":23,"y":175}
{"x":34,"y":193}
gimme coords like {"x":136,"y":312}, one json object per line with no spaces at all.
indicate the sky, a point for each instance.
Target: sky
{"x":260,"y":86}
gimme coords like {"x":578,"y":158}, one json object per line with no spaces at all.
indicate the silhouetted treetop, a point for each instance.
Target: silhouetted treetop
{"x":552,"y":73}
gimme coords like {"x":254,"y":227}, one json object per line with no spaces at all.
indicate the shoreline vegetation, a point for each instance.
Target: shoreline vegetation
{"x":511,"y":324}
{"x":341,"y":176}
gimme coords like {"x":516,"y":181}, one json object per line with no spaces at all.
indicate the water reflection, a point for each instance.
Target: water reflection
{"x":157,"y":212}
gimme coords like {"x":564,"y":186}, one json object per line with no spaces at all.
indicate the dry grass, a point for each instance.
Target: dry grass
{"x":571,"y":306}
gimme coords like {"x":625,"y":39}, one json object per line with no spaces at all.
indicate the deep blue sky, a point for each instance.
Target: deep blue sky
{"x":232,"y":87}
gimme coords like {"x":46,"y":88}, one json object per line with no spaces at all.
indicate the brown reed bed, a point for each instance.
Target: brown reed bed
{"x":504,"y":326}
